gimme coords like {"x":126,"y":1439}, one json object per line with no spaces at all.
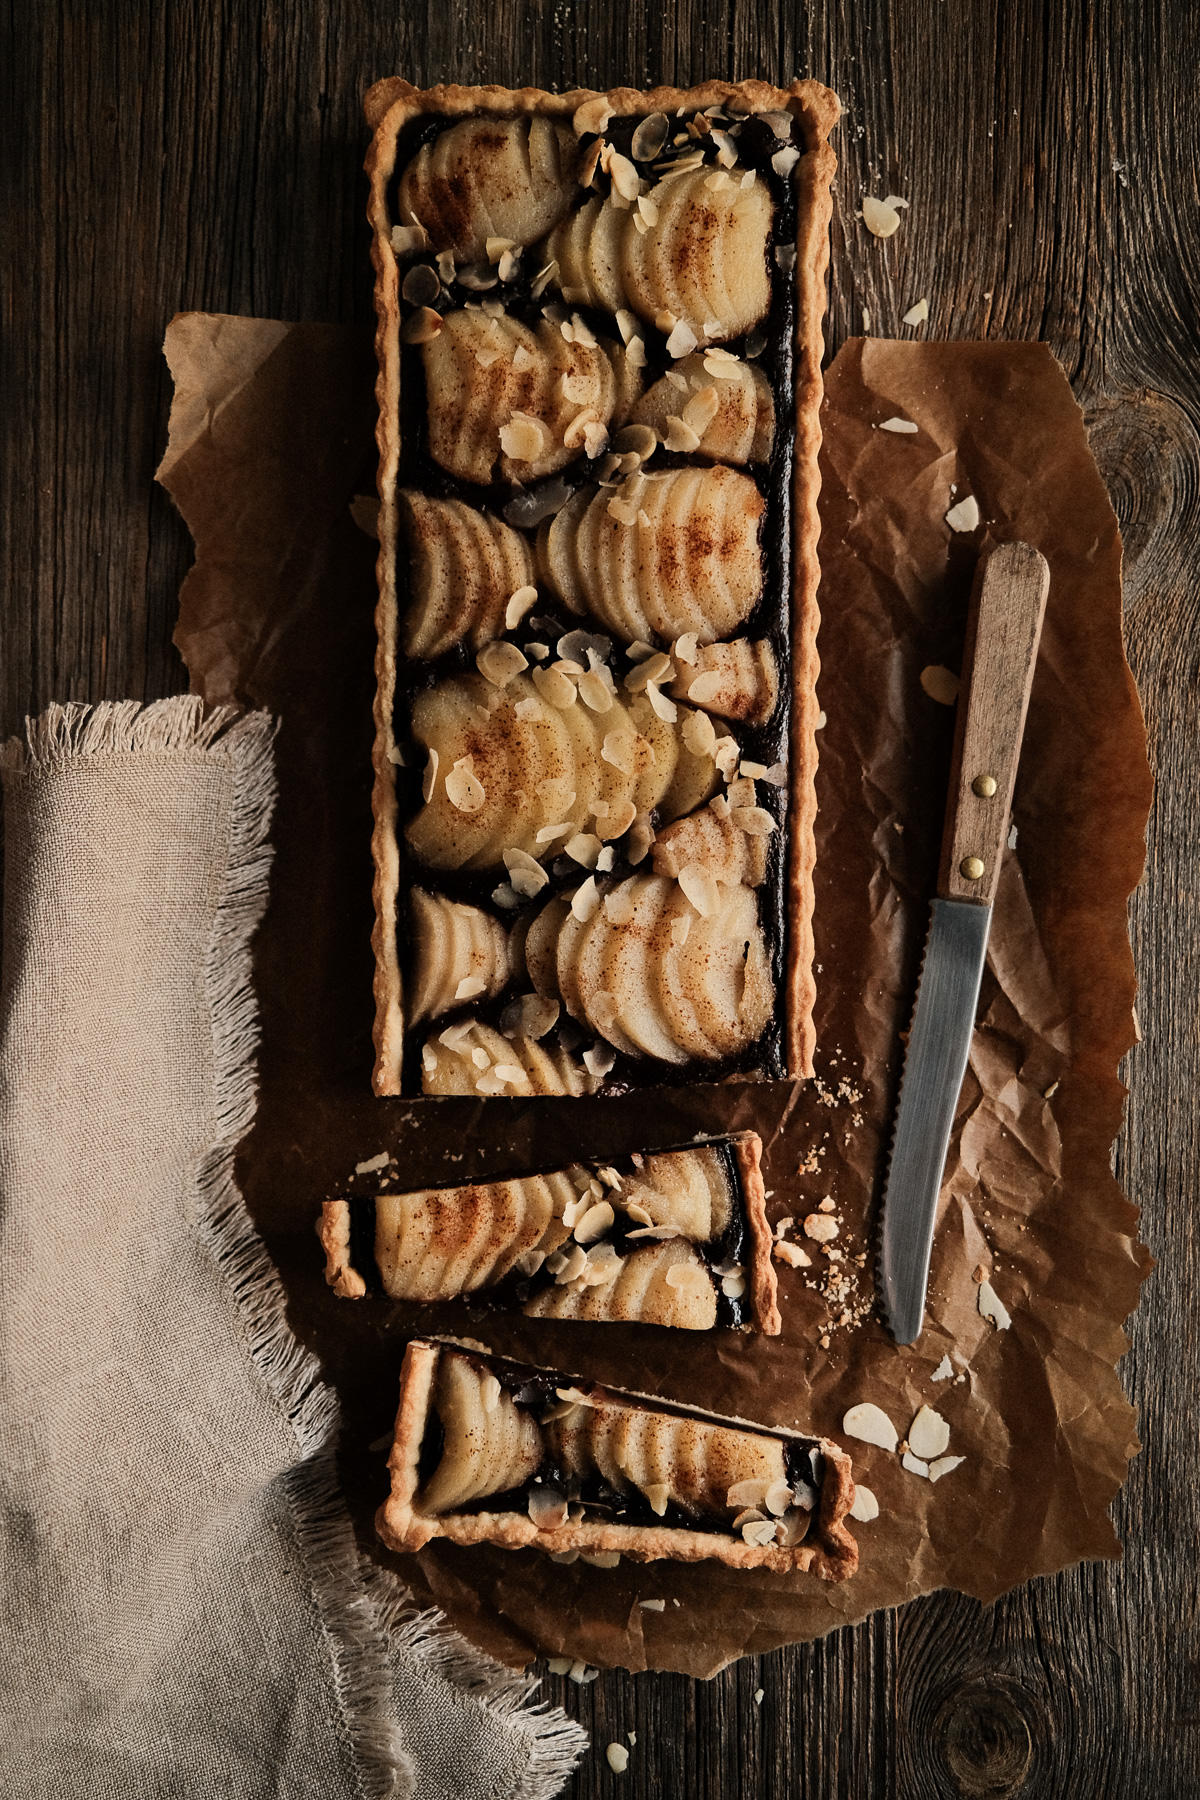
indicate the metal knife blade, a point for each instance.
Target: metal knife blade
{"x":1003,"y":629}
{"x":934,"y":1065}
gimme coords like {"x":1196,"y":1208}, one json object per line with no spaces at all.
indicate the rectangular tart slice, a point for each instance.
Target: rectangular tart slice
{"x":599,"y":342}
{"x":491,"y":1451}
{"x":674,"y":1237}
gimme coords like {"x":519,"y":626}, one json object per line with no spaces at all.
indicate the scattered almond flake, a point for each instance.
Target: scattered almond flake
{"x":751,"y":1492}
{"x":662,"y":704}
{"x":556,"y":688}
{"x":407,"y":239}
{"x":792,"y":1255}
{"x":917,"y":315}
{"x":648,"y":209}
{"x":640,"y":840}
{"x":943,"y":1465}
{"x":727,"y":754}
{"x":820,"y":1228}
{"x":965,"y":515}
{"x":470,"y":987}
{"x":563,"y":1556}
{"x":623,"y":510}
{"x":599,"y":1060}
{"x":778,"y":1498}
{"x":680,"y":437}
{"x":618,"y":749}
{"x":929,"y":1434}
{"x":656,"y":1231}
{"x":699,"y":734}
{"x":733,"y":1286}
{"x":525,"y":872}
{"x":581,"y":1673}
{"x":531,"y":1016}
{"x":595,"y":1222}
{"x":523,"y":438}
{"x":750,"y":1515}
{"x":700,"y":888}
{"x":625,"y":178}
{"x":880,"y":219}
{"x":897,"y":424}
{"x":915,"y":1465}
{"x":618,"y":906}
{"x":618,"y":1758}
{"x":455,"y":1037}
{"x":499,"y":662}
{"x":687,"y":1275}
{"x":621,"y":815}
{"x":429,"y":779}
{"x":686,"y":648}
{"x":756,"y":821}
{"x":944,"y":1370}
{"x":649,"y":136}
{"x":865,"y":1505}
{"x":559,"y":1665}
{"x":489,"y":1392}
{"x":519,"y":604}
{"x":940,"y":683}
{"x":657,"y":1494}
{"x":870,"y":1425}
{"x":682,"y":339}
{"x":785,"y":160}
{"x":583,"y":848}
{"x":652,"y":1605}
{"x":591,"y":116}
{"x":547,"y":833}
{"x":992,"y":1307}
{"x":896,"y":201}
{"x":422,"y":327}
{"x":718,"y":181}
{"x":657,"y":666}
{"x":373,"y":1164}
{"x":759,"y":1694}
{"x":494,"y":247}
{"x":759,"y":1532}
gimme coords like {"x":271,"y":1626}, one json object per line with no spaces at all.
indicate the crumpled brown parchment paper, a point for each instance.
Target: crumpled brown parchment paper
{"x":271,"y":438}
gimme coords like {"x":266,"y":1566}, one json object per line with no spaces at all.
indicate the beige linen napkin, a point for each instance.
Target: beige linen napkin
{"x":183,"y":1609}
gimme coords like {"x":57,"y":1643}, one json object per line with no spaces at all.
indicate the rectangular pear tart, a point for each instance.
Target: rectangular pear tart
{"x":599,"y":342}
{"x":491,"y":1451}
{"x":674,"y":1237}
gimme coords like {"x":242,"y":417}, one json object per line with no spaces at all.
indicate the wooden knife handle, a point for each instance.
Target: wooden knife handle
{"x":1003,"y":627}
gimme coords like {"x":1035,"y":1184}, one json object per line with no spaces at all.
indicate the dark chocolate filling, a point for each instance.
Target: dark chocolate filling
{"x":766,"y":744}
{"x":537,"y":1390}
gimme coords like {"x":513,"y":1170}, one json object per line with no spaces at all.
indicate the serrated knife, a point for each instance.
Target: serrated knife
{"x":1004,"y":625}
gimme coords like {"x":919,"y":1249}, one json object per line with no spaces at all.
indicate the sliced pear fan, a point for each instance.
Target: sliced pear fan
{"x":479,"y":1060}
{"x":463,"y":567}
{"x":637,"y":1290}
{"x":687,"y":1189}
{"x":647,"y":971}
{"x":639,"y":1451}
{"x":497,"y":396}
{"x":490,"y":1443}
{"x":482,"y":178}
{"x":738,"y":680}
{"x":439,"y":1242}
{"x":726,"y":403}
{"x":704,"y":261}
{"x":712,"y":839}
{"x":542,"y":766}
{"x":460,"y":953}
{"x":661,"y":556}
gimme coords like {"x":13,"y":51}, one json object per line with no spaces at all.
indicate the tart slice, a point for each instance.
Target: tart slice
{"x":491,"y":1451}
{"x":600,"y":383}
{"x":674,"y":1237}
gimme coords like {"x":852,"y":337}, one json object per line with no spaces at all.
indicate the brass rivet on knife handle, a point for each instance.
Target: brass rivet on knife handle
{"x":1003,"y":628}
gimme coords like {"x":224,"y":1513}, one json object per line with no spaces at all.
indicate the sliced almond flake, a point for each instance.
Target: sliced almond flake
{"x":792,"y":1255}
{"x":506,"y":895}
{"x":456,"y":1038}
{"x":651,"y":1606}
{"x":519,"y":604}
{"x":479,"y":1057}
{"x":591,"y":116}
{"x":727,"y":754}
{"x":680,"y":438}
{"x":665,"y":707}
{"x":778,"y":1498}
{"x":373,"y":1164}
{"x":524,"y":871}
{"x":638,"y":650}
{"x":917,"y":315}
{"x":785,"y":160}
{"x":640,"y":840}
{"x":759,"y":1532}
{"x":899,"y":425}
{"x":704,"y":687}
{"x":621,"y":815}
{"x":657,"y":1495}
{"x":686,"y":648}
{"x":625,"y":178}
{"x":752,"y":1514}
{"x":680,"y":929}
{"x":965,"y":515}
{"x":547,"y":1507}
{"x":494,"y":247}
{"x":701,"y":409}
{"x":647,"y":212}
{"x":992,"y":1307}
{"x":687,"y":1275}
{"x":429,"y":1061}
{"x":682,"y":340}
{"x":750,"y":1492}
{"x":555,"y":687}
{"x":498,"y":662}
{"x":915,"y":1465}
{"x":523,"y":438}
{"x":944,"y":1370}
{"x":599,"y":1060}
{"x":635,"y":353}
{"x":465,"y":791}
{"x":755,"y":821}
{"x":699,"y":734}
{"x":929,"y":1434}
{"x":583,"y":848}
{"x":733,"y":1286}
{"x":870,"y":1425}
{"x":865,"y":1506}
{"x":470,"y":987}
{"x":618,"y":749}
{"x":940,"y":683}
{"x":700,"y":888}
{"x":655,"y":667}
{"x":943,"y":1465}
{"x":624,"y":511}
{"x":618,"y":906}
{"x":580,"y":1672}
{"x":585,"y":900}
{"x":880,"y":219}
{"x":407,"y":239}
{"x":429,"y":779}
{"x":532,"y":1016}
{"x":595,"y":1222}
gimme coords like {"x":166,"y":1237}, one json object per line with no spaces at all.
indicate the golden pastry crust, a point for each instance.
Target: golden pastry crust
{"x":830,"y":1553}
{"x":389,"y":105}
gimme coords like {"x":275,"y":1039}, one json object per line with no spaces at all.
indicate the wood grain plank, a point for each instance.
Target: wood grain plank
{"x":208,"y":155}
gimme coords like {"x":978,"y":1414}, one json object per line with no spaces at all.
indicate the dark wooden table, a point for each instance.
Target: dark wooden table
{"x":188,"y":154}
